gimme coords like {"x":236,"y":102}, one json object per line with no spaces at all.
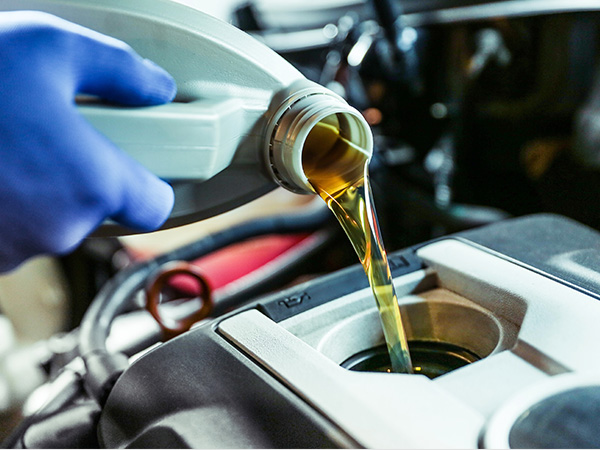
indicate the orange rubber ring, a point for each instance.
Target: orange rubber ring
{"x":175,"y":327}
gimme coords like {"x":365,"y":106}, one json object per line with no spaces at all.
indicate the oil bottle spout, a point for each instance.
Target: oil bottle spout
{"x":295,"y":135}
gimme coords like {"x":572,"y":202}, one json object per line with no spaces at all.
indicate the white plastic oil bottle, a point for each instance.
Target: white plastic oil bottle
{"x":216,"y":143}
{"x":244,"y":121}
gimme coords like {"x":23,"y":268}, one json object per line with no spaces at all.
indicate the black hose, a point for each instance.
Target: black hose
{"x":387,"y":13}
{"x":63,"y":390}
{"x":103,"y":367}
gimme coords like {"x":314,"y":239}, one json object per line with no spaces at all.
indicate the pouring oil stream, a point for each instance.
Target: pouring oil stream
{"x":337,"y":169}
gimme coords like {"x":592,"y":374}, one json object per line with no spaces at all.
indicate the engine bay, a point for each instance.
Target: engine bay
{"x":256,"y":328}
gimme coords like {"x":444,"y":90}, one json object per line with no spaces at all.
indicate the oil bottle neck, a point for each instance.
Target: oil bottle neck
{"x":300,"y":117}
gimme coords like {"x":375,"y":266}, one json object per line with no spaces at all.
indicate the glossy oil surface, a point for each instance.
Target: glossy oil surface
{"x":337,"y":169}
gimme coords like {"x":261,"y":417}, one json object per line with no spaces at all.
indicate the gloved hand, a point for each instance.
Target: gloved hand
{"x":59,"y":177}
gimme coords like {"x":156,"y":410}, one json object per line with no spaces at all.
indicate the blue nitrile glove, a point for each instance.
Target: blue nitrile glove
{"x":59,"y":177}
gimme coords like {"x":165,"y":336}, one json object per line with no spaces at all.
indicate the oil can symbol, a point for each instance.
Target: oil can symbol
{"x":294,"y":300}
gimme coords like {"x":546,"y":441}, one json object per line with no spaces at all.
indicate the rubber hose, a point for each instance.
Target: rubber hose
{"x":114,"y":297}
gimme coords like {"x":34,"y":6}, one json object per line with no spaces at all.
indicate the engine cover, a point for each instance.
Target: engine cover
{"x":521,"y":295}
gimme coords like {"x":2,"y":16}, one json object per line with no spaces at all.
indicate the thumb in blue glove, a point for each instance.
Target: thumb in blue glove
{"x":59,"y":177}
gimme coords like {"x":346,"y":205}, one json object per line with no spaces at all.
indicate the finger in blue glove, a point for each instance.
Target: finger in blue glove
{"x":59,"y":177}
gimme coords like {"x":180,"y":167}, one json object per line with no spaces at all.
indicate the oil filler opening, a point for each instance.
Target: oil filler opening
{"x":444,"y":330}
{"x":429,"y":358}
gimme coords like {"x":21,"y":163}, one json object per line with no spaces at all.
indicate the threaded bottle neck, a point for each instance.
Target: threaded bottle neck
{"x":298,"y":118}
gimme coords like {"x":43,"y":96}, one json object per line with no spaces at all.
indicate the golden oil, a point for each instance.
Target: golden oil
{"x":337,"y":169}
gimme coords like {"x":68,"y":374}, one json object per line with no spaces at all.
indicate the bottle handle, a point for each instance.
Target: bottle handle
{"x":175,"y":141}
